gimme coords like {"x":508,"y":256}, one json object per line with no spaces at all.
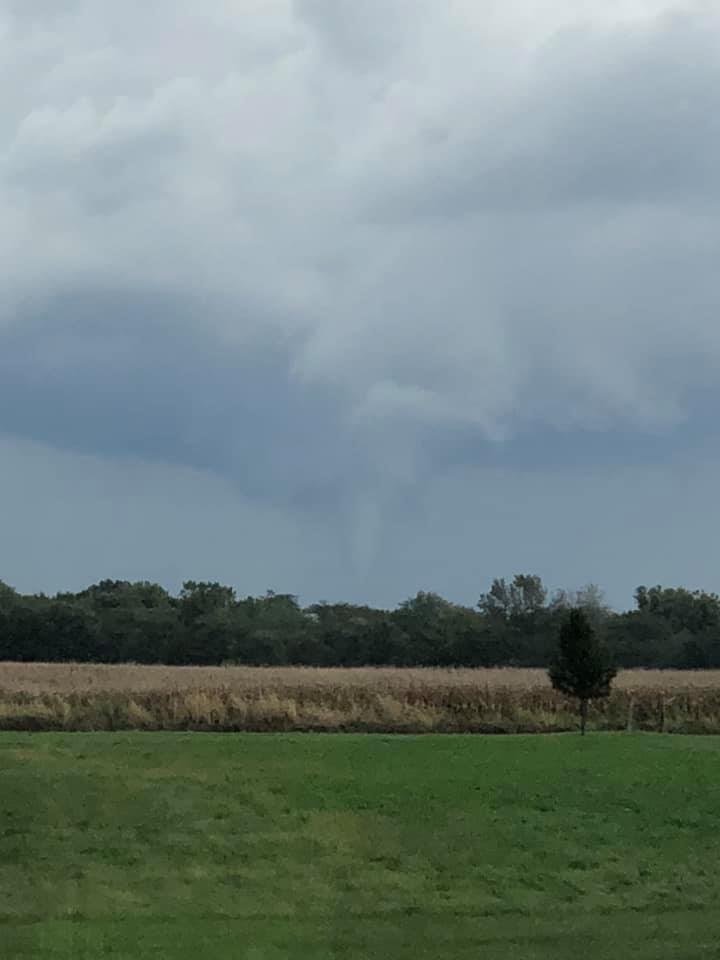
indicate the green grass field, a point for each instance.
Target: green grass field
{"x":187,"y":846}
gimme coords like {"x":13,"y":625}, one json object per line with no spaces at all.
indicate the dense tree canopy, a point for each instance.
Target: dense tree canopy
{"x":514,"y":623}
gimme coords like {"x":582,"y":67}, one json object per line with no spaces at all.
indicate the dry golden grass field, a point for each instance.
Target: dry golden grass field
{"x":38,"y":696}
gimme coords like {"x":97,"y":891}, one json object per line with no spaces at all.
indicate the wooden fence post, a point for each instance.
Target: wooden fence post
{"x":630,"y":715}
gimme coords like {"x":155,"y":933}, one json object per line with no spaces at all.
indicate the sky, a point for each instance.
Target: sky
{"x":352,"y":300}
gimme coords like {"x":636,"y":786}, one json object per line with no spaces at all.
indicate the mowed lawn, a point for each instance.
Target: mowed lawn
{"x":184,"y":846}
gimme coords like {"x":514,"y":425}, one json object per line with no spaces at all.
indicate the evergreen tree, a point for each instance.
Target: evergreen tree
{"x":581,"y":667}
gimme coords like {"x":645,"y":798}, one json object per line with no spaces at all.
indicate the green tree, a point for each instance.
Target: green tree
{"x":581,"y":667}
{"x":519,"y":620}
{"x":693,"y":610}
{"x":524,"y":597}
{"x":8,"y":595}
{"x":426,"y":620}
{"x":590,"y":598}
{"x":198,"y":599}
{"x":345,"y":635}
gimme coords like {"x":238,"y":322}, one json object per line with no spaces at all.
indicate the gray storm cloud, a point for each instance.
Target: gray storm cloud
{"x":463,"y":221}
{"x":435,"y":242}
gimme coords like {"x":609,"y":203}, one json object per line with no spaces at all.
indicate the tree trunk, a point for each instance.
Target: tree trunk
{"x":583,"y":716}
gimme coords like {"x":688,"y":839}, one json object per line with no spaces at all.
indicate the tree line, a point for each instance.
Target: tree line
{"x":515,"y":623}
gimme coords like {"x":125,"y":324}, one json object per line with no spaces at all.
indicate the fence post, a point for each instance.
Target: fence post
{"x":630,"y":715}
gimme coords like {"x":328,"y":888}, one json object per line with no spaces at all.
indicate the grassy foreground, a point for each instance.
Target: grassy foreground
{"x":174,"y":846}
